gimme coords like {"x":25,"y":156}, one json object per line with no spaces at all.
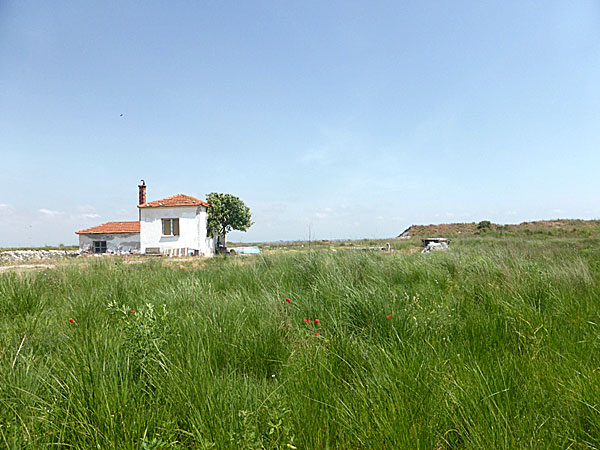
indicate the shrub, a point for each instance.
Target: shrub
{"x":484,"y":225}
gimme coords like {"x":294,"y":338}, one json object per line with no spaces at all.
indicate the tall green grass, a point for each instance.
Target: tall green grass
{"x":493,"y":344}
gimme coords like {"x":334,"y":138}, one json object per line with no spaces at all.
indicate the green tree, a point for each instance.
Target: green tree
{"x":227,"y":213}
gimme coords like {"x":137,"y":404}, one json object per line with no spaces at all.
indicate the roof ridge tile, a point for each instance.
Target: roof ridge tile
{"x":175,"y":200}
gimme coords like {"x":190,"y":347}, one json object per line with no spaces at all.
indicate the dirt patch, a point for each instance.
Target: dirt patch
{"x":19,"y":267}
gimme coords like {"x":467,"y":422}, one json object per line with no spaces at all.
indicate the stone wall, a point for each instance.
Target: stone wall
{"x":28,"y":255}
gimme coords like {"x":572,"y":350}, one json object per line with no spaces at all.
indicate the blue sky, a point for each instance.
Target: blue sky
{"x":358,"y":118}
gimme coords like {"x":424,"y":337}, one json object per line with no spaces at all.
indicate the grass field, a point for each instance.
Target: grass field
{"x":492,"y":344}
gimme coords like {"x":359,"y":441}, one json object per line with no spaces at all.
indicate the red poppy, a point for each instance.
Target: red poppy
{"x":317,"y":334}
{"x":71,"y":320}
{"x":132,"y":312}
{"x":389,"y":316}
{"x":287,"y":299}
{"x":307,"y":320}
{"x":316,"y":320}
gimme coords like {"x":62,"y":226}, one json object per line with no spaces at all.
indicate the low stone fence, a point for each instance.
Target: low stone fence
{"x":28,"y":255}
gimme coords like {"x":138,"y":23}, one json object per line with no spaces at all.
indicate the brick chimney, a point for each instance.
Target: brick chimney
{"x":142,"y":196}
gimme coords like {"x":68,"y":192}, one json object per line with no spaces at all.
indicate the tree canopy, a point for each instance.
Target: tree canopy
{"x":227,"y":213}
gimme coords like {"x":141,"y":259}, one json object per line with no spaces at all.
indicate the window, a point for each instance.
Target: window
{"x":170,"y":227}
{"x":99,"y":246}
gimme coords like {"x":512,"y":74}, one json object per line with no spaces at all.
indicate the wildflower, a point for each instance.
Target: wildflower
{"x":307,"y":320}
{"x":389,"y":316}
{"x":132,"y":311}
{"x":71,"y":320}
{"x":317,"y":334}
{"x":316,"y":320}
{"x":287,"y":299}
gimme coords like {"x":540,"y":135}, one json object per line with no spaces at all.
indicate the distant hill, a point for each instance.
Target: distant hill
{"x":552,"y":227}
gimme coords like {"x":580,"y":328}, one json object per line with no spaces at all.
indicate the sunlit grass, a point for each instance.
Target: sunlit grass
{"x":493,"y":344}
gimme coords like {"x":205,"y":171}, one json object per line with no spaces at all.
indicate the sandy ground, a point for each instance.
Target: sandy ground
{"x":26,"y":267}
{"x":184,"y":263}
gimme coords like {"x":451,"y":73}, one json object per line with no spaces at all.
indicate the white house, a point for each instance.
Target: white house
{"x":175,"y":225}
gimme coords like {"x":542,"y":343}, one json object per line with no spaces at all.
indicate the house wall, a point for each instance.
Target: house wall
{"x":117,"y":242}
{"x":207,"y":243}
{"x":211,"y":244}
{"x":192,"y":229}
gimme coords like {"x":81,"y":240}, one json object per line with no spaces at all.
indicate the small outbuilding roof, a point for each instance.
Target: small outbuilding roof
{"x":175,"y":200}
{"x":113,"y":228}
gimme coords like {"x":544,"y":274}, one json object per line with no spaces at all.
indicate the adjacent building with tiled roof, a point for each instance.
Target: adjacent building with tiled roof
{"x":113,"y":237}
{"x":175,"y":225}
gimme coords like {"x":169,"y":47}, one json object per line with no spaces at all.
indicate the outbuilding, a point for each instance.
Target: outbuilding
{"x":111,"y":237}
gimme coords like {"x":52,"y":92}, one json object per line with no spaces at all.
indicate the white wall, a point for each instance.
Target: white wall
{"x":207,"y":244}
{"x":192,"y":229}
{"x":116,"y":242}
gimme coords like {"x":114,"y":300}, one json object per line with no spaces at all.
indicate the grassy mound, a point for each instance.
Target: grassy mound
{"x":543,"y":228}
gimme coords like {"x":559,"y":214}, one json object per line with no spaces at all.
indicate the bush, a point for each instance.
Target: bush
{"x":484,"y":225}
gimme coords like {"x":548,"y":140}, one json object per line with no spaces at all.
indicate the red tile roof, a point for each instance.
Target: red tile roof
{"x":175,"y":200}
{"x":112,"y":228}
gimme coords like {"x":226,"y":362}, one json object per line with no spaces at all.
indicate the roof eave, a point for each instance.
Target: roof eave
{"x":107,"y":232}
